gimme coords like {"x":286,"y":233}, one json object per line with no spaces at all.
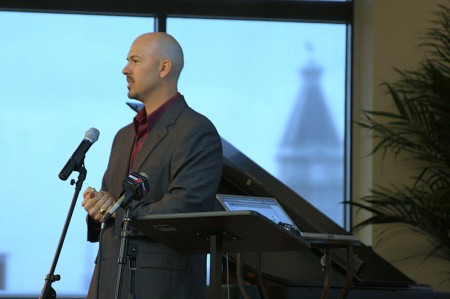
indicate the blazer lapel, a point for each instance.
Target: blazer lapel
{"x":159,"y":132}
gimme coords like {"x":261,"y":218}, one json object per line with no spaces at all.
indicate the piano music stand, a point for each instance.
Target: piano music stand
{"x":217,"y":233}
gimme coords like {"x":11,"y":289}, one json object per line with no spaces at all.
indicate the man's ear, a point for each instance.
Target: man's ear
{"x":165,"y":67}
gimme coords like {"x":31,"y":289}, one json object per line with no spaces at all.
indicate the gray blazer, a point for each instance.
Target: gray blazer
{"x":182,"y":157}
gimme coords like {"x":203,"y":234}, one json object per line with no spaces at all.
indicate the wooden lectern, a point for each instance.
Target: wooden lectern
{"x":238,"y":232}
{"x":217,"y":233}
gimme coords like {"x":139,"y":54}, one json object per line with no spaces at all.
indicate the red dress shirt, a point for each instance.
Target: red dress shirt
{"x":143,"y":124}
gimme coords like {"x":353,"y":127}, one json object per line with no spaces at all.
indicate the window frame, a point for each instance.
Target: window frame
{"x":311,"y":11}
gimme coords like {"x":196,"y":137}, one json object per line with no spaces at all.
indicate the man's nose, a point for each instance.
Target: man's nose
{"x":125,"y":70}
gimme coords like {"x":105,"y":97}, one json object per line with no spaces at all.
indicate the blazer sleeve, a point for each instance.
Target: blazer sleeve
{"x":93,"y":227}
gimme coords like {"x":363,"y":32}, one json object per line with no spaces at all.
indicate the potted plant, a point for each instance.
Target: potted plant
{"x":420,"y":130}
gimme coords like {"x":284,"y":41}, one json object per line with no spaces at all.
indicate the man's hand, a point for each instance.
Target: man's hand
{"x":97,"y":203}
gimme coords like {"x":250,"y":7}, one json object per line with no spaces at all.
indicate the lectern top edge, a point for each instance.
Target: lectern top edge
{"x":239,"y":231}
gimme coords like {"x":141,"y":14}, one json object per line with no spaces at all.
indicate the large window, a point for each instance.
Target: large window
{"x":61,"y":75}
{"x":274,"y":89}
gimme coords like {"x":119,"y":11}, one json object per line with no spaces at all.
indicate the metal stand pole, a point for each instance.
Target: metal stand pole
{"x":124,"y":253}
{"x":47,"y":291}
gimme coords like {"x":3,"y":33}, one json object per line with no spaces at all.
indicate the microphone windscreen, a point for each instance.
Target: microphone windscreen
{"x":92,"y":135}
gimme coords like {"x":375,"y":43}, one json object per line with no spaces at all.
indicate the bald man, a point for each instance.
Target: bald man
{"x":180,"y":151}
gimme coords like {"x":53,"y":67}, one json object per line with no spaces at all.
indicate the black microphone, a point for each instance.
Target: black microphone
{"x":77,"y":158}
{"x":135,"y":187}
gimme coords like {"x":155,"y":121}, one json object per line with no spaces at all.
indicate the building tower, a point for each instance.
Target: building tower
{"x":311,"y":156}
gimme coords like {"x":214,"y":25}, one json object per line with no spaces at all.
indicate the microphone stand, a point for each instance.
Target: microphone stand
{"x":125,"y":251}
{"x":47,"y":291}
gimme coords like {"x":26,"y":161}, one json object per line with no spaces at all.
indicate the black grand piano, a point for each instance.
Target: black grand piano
{"x":298,"y":274}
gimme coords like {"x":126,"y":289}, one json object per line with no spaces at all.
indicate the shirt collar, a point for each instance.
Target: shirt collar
{"x":141,"y":118}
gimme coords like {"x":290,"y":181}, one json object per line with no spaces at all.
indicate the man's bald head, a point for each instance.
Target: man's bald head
{"x":163,"y":46}
{"x":155,"y":61}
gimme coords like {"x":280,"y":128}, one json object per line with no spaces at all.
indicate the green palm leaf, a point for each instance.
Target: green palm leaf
{"x":420,"y":128}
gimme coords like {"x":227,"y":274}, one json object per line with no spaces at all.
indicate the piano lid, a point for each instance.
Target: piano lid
{"x":243,"y":176}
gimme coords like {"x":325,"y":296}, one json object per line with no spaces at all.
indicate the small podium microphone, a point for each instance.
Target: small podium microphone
{"x":135,"y":187}
{"x":77,"y":158}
